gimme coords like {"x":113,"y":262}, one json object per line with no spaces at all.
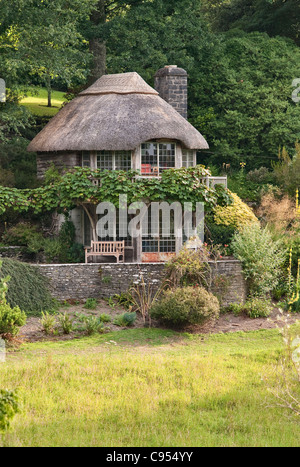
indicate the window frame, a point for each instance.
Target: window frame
{"x":158,"y":155}
{"x":94,"y":159}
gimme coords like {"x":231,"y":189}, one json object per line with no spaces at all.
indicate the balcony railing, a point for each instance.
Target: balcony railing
{"x":210,"y":182}
{"x":213,"y":181}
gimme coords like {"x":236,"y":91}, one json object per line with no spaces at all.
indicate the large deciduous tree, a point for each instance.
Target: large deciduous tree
{"x":275,"y":17}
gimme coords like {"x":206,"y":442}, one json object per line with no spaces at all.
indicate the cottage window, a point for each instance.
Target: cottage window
{"x":157,"y":157}
{"x":162,"y":243}
{"x":114,"y":160}
{"x":187,"y":158}
{"x":86,"y":159}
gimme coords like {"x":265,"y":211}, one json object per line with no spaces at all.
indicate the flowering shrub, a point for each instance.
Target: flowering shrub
{"x":187,"y":305}
{"x":261,"y":258}
{"x":237,"y":214}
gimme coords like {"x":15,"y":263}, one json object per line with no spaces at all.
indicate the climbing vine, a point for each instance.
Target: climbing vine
{"x":84,"y":186}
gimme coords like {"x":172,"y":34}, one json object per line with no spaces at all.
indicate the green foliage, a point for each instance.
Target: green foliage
{"x":276,"y":17}
{"x":254,"y":307}
{"x":246,"y":80}
{"x":105,"y":318}
{"x":219,"y":234}
{"x":261,"y":257}
{"x":287,"y":171}
{"x":90,"y":304}
{"x":27,"y":287}
{"x":19,"y":164}
{"x":9,"y":407}
{"x":61,"y":249}
{"x":124,"y":299}
{"x":48,"y":322}
{"x":65,"y":322}
{"x":93,"y":325}
{"x":46,"y":41}
{"x":191,"y":267}
{"x":11,"y":319}
{"x":20,"y":234}
{"x":187,"y":305}
{"x":125,"y":320}
{"x":237,"y":215}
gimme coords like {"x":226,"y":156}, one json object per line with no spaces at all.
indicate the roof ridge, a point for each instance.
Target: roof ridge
{"x":120,"y":83}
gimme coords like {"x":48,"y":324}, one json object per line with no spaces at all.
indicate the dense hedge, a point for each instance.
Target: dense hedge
{"x":27,"y":288}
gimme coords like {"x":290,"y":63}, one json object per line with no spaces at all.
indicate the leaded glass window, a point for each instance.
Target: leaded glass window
{"x":187,"y":158}
{"x":157,"y":157}
{"x":86,"y":159}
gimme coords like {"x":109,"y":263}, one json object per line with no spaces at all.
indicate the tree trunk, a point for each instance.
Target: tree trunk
{"x":90,"y":210}
{"x":49,"y":90}
{"x":97,"y":45}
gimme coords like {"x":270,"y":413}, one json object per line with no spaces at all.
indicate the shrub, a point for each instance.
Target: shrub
{"x":65,"y":322}
{"x":27,"y":287}
{"x":11,"y":319}
{"x":126,"y":319}
{"x":52,"y":249}
{"x":20,"y":234}
{"x":90,"y":304}
{"x":9,"y":406}
{"x":48,"y":323}
{"x":261,"y":258}
{"x":93,"y":325}
{"x":191,"y":267}
{"x":257,"y":308}
{"x":259,"y":176}
{"x":104,"y":318}
{"x":124,"y":299}
{"x":219,"y":234}
{"x":187,"y":305}
{"x":236,"y":215}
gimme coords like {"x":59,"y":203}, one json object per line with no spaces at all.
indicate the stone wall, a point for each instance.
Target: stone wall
{"x":172,"y":83}
{"x":82,"y":281}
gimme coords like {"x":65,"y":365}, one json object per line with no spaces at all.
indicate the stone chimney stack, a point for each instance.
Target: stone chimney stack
{"x":171,"y":84}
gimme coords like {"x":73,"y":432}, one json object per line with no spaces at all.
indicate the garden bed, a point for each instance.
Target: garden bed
{"x":33,"y":332}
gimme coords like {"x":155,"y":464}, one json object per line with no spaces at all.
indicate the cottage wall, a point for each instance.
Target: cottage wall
{"x":63,"y":161}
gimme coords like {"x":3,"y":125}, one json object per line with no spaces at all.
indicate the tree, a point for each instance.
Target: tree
{"x":275,"y":17}
{"x":155,"y":34}
{"x":43,"y":39}
{"x":241,"y":98}
{"x":95,"y":30}
{"x":239,"y":84}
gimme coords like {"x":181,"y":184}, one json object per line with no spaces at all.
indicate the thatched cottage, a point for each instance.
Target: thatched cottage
{"x":121,"y":123}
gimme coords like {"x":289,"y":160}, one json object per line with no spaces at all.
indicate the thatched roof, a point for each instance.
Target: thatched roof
{"x":118,"y":112}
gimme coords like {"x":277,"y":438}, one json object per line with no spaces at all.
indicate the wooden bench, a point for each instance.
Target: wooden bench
{"x":116,"y":249}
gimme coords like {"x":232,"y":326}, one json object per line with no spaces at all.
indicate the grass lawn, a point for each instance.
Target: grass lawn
{"x":37,"y":103}
{"x":149,"y":387}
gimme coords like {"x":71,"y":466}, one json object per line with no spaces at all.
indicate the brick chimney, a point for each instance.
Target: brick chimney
{"x":171,"y":83}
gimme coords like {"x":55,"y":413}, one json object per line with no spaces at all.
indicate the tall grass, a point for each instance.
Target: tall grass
{"x":148,"y":388}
